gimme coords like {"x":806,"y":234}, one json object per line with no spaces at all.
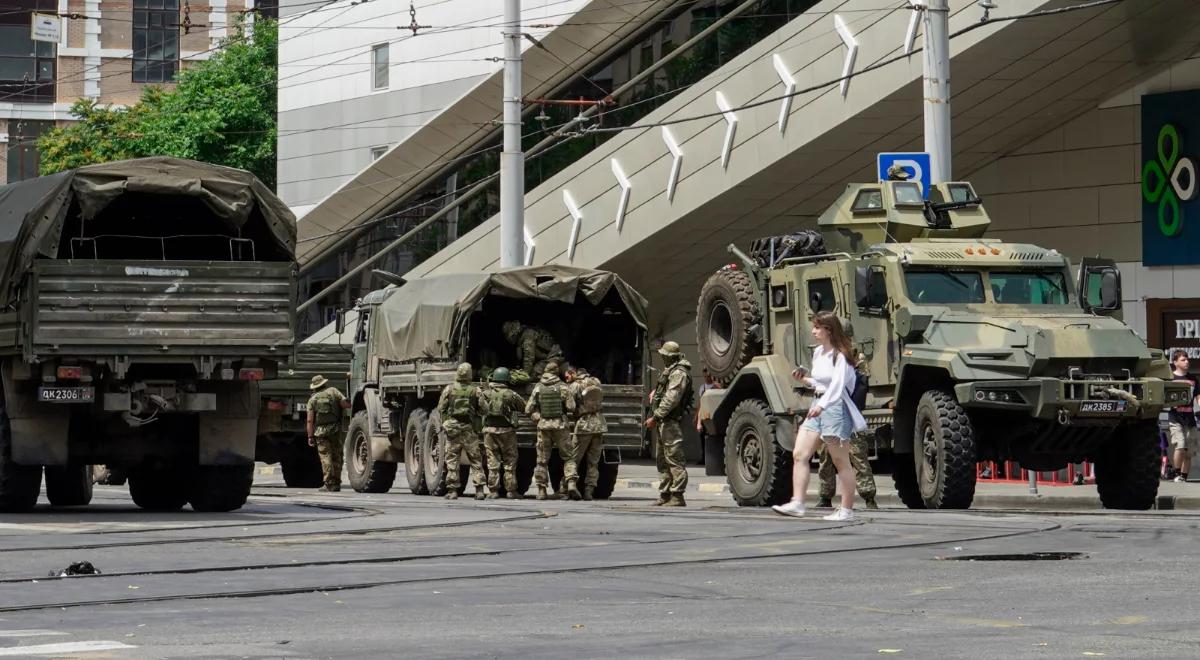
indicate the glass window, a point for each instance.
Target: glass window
{"x":155,"y":40}
{"x":944,"y":287}
{"x":27,"y":67}
{"x":869,"y":199}
{"x":908,"y":193}
{"x":379,"y":60}
{"x":23,"y":156}
{"x":960,"y":192}
{"x":821,"y":296}
{"x":377,"y":152}
{"x":1029,"y":288}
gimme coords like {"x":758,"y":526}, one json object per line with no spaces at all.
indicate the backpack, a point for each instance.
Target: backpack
{"x":497,"y":412}
{"x":862,"y":383}
{"x":325,"y":409}
{"x":460,"y":402}
{"x":591,"y":397}
{"x":550,"y":403}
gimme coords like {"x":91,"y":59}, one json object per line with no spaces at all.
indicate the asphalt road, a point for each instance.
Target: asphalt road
{"x":298,"y":574}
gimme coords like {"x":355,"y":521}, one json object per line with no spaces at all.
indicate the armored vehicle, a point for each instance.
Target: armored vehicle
{"x":976,"y":349}
{"x":410,"y":339}
{"x":143,"y":302}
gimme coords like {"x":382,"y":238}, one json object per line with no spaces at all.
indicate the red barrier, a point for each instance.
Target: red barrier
{"x":1010,"y":472}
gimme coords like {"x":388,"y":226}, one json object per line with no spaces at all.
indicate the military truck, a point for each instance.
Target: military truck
{"x":144,"y":300}
{"x":282,"y":431}
{"x":410,"y":339}
{"x":977,"y":349}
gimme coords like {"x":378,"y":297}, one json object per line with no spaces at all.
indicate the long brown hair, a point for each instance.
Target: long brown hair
{"x":837,"y":334}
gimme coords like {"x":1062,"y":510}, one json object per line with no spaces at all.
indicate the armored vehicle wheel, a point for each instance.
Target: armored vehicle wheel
{"x":19,"y":484}
{"x":726,"y":320}
{"x":301,"y":466}
{"x":758,"y":469}
{"x":904,"y":475}
{"x":365,"y":474}
{"x":1127,"y":468}
{"x":433,"y":452}
{"x":944,"y":452}
{"x":414,"y":467}
{"x":219,"y":488}
{"x":526,"y":462}
{"x":69,"y":485}
{"x":158,"y":489}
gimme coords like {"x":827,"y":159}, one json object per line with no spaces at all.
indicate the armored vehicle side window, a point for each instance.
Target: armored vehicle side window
{"x":944,"y":287}
{"x":820,"y":295}
{"x":907,"y":193}
{"x":960,"y":192}
{"x":1028,"y":288}
{"x":868,"y":199}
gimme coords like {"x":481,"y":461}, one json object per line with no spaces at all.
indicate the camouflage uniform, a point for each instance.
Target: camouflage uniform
{"x":862,"y":471}
{"x":535,"y":346}
{"x":590,"y":428}
{"x":500,"y":434}
{"x":326,"y":406}
{"x":552,"y":429}
{"x":459,"y":427}
{"x":672,"y":396}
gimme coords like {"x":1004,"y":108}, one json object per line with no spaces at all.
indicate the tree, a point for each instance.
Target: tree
{"x":221,"y":111}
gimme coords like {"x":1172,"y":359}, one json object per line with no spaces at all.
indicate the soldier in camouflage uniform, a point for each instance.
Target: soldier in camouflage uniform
{"x":550,"y":404}
{"x":672,"y":399}
{"x":461,"y":406}
{"x":863,"y":475}
{"x":535,"y":346}
{"x":501,"y":406}
{"x":325,"y":430}
{"x":590,"y":426}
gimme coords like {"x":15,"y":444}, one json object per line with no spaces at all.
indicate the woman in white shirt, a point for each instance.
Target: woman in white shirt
{"x":833,"y":418}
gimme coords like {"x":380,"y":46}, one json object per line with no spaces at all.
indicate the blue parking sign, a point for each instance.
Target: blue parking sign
{"x":916,"y":163}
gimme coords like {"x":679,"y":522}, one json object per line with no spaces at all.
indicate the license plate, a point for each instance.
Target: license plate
{"x":302,"y":407}
{"x":1102,"y":407}
{"x":67,"y":394}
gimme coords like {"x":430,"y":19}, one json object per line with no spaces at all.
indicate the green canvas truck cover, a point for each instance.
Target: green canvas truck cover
{"x":421,"y":319}
{"x":32,"y":212}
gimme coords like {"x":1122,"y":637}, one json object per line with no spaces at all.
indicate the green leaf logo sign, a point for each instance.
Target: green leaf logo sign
{"x":1168,"y":181}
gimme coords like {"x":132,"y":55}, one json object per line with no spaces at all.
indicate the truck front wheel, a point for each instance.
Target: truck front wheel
{"x":758,"y":469}
{"x":69,"y":485}
{"x":366,"y":475}
{"x":1127,"y":468}
{"x":944,"y":452}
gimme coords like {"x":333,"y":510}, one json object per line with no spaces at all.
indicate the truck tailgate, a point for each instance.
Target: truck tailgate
{"x":159,"y":307}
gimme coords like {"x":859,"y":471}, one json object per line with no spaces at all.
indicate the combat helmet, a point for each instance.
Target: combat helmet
{"x":464,"y":373}
{"x":501,"y":375}
{"x":670,"y":349}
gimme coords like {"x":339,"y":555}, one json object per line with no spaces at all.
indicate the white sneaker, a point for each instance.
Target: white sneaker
{"x":840,"y":515}
{"x":1180,"y":480}
{"x":792,"y":508}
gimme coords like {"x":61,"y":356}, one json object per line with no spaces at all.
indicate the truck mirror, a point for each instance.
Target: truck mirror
{"x":1101,"y":288}
{"x":339,"y":322}
{"x":814,"y":301}
{"x":1110,"y":289}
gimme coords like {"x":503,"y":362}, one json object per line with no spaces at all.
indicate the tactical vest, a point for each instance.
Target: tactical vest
{"x":325,"y":409}
{"x":685,"y":401}
{"x":497,"y":413}
{"x":591,"y":399}
{"x":460,"y":402}
{"x":550,"y":403}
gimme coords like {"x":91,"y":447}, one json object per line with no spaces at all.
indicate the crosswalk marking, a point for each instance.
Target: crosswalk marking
{"x":59,"y":649}
{"x":29,"y":633}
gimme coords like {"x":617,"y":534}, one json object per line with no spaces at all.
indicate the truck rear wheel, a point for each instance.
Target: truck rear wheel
{"x":19,"y":484}
{"x":433,"y":453}
{"x":414,"y":468}
{"x":757,"y":468}
{"x":944,"y":454}
{"x":69,"y":485}
{"x":1127,"y":468}
{"x":301,"y":466}
{"x":219,"y":488}
{"x":725,"y":320}
{"x":365,"y":474}
{"x":158,"y":489}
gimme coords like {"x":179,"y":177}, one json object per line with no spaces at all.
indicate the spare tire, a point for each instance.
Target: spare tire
{"x":727,"y":319}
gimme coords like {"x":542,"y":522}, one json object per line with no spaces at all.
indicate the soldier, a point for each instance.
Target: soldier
{"x":461,"y":406}
{"x":590,"y":427}
{"x":535,"y":346}
{"x":501,"y":406}
{"x":672,"y":399}
{"x":325,"y":430}
{"x":550,"y":403}
{"x":863,"y":476}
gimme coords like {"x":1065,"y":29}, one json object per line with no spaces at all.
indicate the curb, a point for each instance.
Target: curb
{"x":707,"y":488}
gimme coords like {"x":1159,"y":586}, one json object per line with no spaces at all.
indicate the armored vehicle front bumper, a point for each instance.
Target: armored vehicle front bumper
{"x":1063,"y":399}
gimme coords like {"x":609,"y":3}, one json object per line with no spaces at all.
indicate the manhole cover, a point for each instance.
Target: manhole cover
{"x":1028,"y":556}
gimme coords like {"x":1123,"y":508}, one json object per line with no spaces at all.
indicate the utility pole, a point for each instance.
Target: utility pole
{"x":937,"y":89}
{"x":512,"y":158}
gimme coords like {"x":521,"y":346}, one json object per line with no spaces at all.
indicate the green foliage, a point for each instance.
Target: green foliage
{"x":221,"y":111}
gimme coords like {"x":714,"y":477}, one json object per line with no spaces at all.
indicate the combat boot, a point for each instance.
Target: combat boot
{"x":492,"y":495}
{"x":452,"y":495}
{"x":870,"y":502}
{"x":479,"y":494}
{"x":541,"y":492}
{"x":572,"y":491}
{"x":825,"y":502}
{"x":663,"y":498}
{"x":675,"y":500}
{"x":588,"y":494}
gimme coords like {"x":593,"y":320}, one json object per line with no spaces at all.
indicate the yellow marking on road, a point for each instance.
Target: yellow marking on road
{"x":929,"y":590}
{"x":988,"y":623}
{"x":1131,"y":620}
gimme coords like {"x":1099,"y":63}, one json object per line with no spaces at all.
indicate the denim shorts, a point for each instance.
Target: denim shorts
{"x":833,"y":425}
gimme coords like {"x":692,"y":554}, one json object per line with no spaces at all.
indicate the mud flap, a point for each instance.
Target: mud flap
{"x":40,"y":440}
{"x":225,"y":441}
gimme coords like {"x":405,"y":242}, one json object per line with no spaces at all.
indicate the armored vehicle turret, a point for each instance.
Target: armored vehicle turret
{"x":977,"y":349}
